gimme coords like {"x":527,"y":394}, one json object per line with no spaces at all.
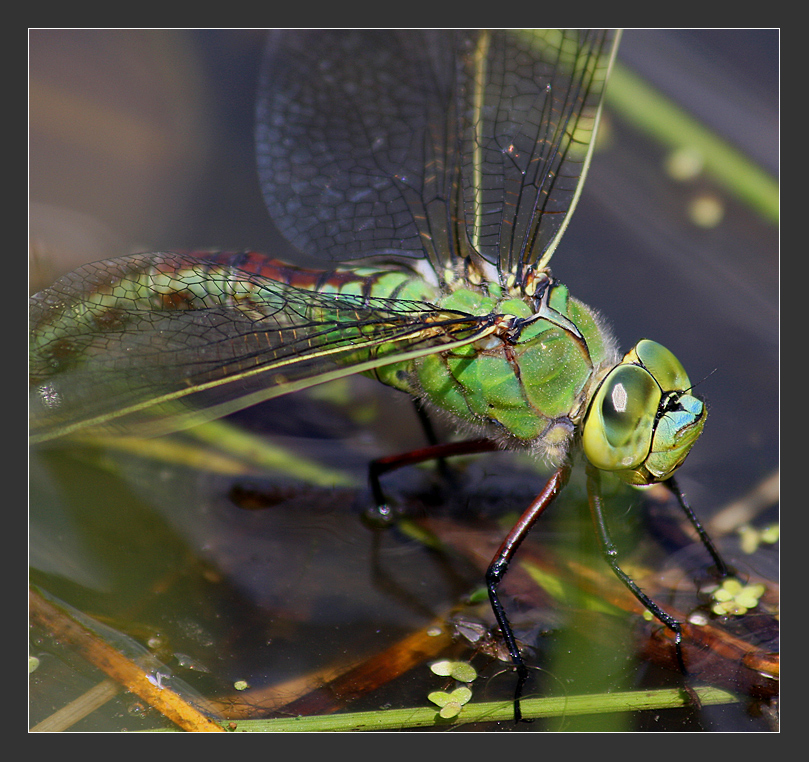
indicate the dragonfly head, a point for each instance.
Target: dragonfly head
{"x":642,"y":421}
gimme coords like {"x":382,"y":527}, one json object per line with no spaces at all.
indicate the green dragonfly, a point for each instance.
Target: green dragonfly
{"x":444,"y":166}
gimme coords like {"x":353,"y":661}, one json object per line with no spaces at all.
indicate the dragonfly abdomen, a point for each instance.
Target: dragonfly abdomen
{"x":394,"y":282}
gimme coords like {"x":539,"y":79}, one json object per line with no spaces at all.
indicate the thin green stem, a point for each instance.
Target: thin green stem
{"x":639,"y":104}
{"x":398,"y":719}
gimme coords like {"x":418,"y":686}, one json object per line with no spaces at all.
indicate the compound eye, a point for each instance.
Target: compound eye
{"x":620,"y":422}
{"x":665,"y":368}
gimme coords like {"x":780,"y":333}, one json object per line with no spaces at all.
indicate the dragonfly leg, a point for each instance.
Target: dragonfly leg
{"x":426,"y":422}
{"x":610,"y":553}
{"x":499,"y":566}
{"x":721,"y":567}
{"x":381,"y":515}
{"x":429,"y":433}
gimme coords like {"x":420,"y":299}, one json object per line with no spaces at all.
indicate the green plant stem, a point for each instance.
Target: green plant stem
{"x":397,"y":719}
{"x":647,"y":110}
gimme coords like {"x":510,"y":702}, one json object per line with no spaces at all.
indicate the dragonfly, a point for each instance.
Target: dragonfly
{"x":436,"y":171}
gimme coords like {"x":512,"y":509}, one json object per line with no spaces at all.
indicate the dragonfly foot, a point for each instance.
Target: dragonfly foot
{"x":380,"y":516}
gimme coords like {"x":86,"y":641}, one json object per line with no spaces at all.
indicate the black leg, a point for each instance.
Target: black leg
{"x":426,"y":422}
{"x":430,"y":436}
{"x":499,"y":566}
{"x":611,"y":555}
{"x":721,"y":567}
{"x":377,"y":468}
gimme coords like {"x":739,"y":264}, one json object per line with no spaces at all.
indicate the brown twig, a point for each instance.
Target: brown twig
{"x":123,"y":670}
{"x":348,"y":684}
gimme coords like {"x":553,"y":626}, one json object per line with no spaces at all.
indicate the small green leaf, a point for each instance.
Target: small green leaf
{"x":460,"y":670}
{"x":481,"y":595}
{"x":461,"y":695}
{"x":735,"y":599}
{"x":450,"y":710}
{"x":439,"y":698}
{"x":442,"y":668}
{"x":463,"y":672}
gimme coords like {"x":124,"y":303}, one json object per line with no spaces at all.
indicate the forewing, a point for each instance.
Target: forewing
{"x":531,"y":101}
{"x":152,"y":343}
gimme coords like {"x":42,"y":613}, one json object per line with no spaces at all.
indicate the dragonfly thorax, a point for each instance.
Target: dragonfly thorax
{"x":527,"y":382}
{"x":547,"y":371}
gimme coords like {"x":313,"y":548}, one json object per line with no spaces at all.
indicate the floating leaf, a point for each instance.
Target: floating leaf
{"x":441,"y":668}
{"x":439,"y":698}
{"x":459,"y":696}
{"x":735,"y":599}
{"x":462,"y":671}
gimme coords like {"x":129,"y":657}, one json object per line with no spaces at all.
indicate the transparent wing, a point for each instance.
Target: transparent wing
{"x":531,"y":102}
{"x":157,"y":342}
{"x":391,"y":143}
{"x":427,"y":144}
{"x":357,"y":154}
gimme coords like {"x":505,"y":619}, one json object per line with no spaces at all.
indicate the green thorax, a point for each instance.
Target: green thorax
{"x":530,"y":391}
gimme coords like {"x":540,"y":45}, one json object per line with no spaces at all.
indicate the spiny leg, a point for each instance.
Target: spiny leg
{"x":499,"y":566}
{"x":425,"y":421}
{"x":721,"y":567}
{"x":500,"y":563}
{"x":610,"y":553}
{"x":381,"y":515}
{"x":432,"y":438}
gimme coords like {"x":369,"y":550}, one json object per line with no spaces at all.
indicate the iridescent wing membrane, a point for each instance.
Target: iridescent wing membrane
{"x":424,"y":145}
{"x":158,"y":342}
{"x":421,"y":144}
